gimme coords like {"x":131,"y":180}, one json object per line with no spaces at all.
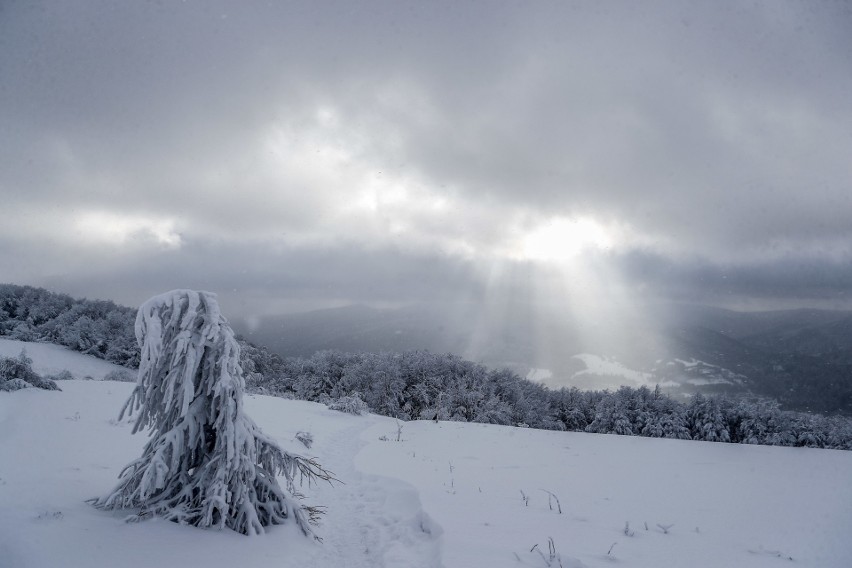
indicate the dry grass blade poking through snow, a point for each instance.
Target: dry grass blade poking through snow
{"x":207,"y":464}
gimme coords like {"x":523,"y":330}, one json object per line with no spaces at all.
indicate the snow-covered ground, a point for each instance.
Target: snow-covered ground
{"x":50,"y":359}
{"x":607,"y":367}
{"x":446,"y":494}
{"x":539,"y":375}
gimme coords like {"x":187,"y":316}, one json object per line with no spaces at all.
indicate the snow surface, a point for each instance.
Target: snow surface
{"x":693,"y":362}
{"x":709,"y":371}
{"x":597,"y":365}
{"x":50,"y":359}
{"x":447,"y":494}
{"x":705,"y":382}
{"x":539,"y":375}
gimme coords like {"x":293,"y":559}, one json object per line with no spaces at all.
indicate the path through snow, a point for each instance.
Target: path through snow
{"x":372,"y":520}
{"x":59,"y":448}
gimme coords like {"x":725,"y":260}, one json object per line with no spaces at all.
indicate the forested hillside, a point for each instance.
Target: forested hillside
{"x":95,"y":327}
{"x":412,"y":385}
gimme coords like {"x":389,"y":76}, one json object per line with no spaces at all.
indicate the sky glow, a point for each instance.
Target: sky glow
{"x":561,"y":239}
{"x":332,"y":153}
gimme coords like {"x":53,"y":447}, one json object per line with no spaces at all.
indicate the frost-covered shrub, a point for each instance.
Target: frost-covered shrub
{"x":23,"y":332}
{"x":14,"y":384}
{"x":306,"y":438}
{"x":207,"y":463}
{"x":46,"y":384}
{"x":63,"y":375}
{"x":121,"y":376}
{"x":20,"y":368}
{"x":350,"y":404}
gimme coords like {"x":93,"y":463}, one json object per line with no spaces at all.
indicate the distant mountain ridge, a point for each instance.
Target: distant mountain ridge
{"x":349,"y":328}
{"x":802,"y":357}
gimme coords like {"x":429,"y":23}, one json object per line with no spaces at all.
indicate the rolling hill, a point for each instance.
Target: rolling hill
{"x":426,"y":495}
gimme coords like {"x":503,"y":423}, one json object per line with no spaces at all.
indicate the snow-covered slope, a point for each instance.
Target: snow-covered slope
{"x":446,"y":494}
{"x":601,"y":366}
{"x":49,"y":359}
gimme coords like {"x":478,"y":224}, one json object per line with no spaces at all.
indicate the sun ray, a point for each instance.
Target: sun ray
{"x":561,"y":239}
{"x":580,"y":302}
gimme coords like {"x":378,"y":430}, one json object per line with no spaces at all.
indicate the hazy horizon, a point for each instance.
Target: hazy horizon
{"x":592,"y":158}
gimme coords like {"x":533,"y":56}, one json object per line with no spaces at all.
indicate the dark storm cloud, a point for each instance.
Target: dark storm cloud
{"x":136,"y":137}
{"x":772,"y":283}
{"x":253,"y":280}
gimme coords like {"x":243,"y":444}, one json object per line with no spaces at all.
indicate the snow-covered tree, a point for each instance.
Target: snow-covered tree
{"x":568,"y":406}
{"x":763,"y":422}
{"x":207,"y":464}
{"x":705,"y":420}
{"x":17,"y":373}
{"x":351,"y":404}
{"x":611,"y":417}
{"x":665,"y":419}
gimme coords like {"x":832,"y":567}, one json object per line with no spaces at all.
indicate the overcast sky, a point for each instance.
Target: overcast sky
{"x":293,"y":155}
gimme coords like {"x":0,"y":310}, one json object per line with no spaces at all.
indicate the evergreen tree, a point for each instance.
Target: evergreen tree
{"x":666,"y":418}
{"x":611,"y":417}
{"x":567,"y":404}
{"x":207,"y":464}
{"x":705,"y":420}
{"x":763,"y":422}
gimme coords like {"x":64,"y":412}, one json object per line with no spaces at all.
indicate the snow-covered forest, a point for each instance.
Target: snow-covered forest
{"x":424,"y":385}
{"x":94,"y":327}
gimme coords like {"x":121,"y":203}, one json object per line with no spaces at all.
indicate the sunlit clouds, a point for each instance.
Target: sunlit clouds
{"x":561,"y":239}
{"x":103,"y":228}
{"x":569,"y":157}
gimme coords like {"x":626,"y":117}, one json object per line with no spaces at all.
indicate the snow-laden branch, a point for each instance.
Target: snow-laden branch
{"x":207,"y":464}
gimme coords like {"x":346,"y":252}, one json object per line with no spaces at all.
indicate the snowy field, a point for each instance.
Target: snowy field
{"x":50,"y":359}
{"x":446,"y":494}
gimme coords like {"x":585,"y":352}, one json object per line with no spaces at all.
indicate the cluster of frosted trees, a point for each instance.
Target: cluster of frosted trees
{"x":94,"y":327}
{"x":423,"y":385}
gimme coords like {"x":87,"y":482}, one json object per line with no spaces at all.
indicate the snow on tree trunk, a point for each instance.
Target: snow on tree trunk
{"x":207,"y":464}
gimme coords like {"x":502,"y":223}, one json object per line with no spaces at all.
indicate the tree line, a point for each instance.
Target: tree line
{"x":96,"y":327}
{"x":415,"y":385}
{"x":422,"y":385}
